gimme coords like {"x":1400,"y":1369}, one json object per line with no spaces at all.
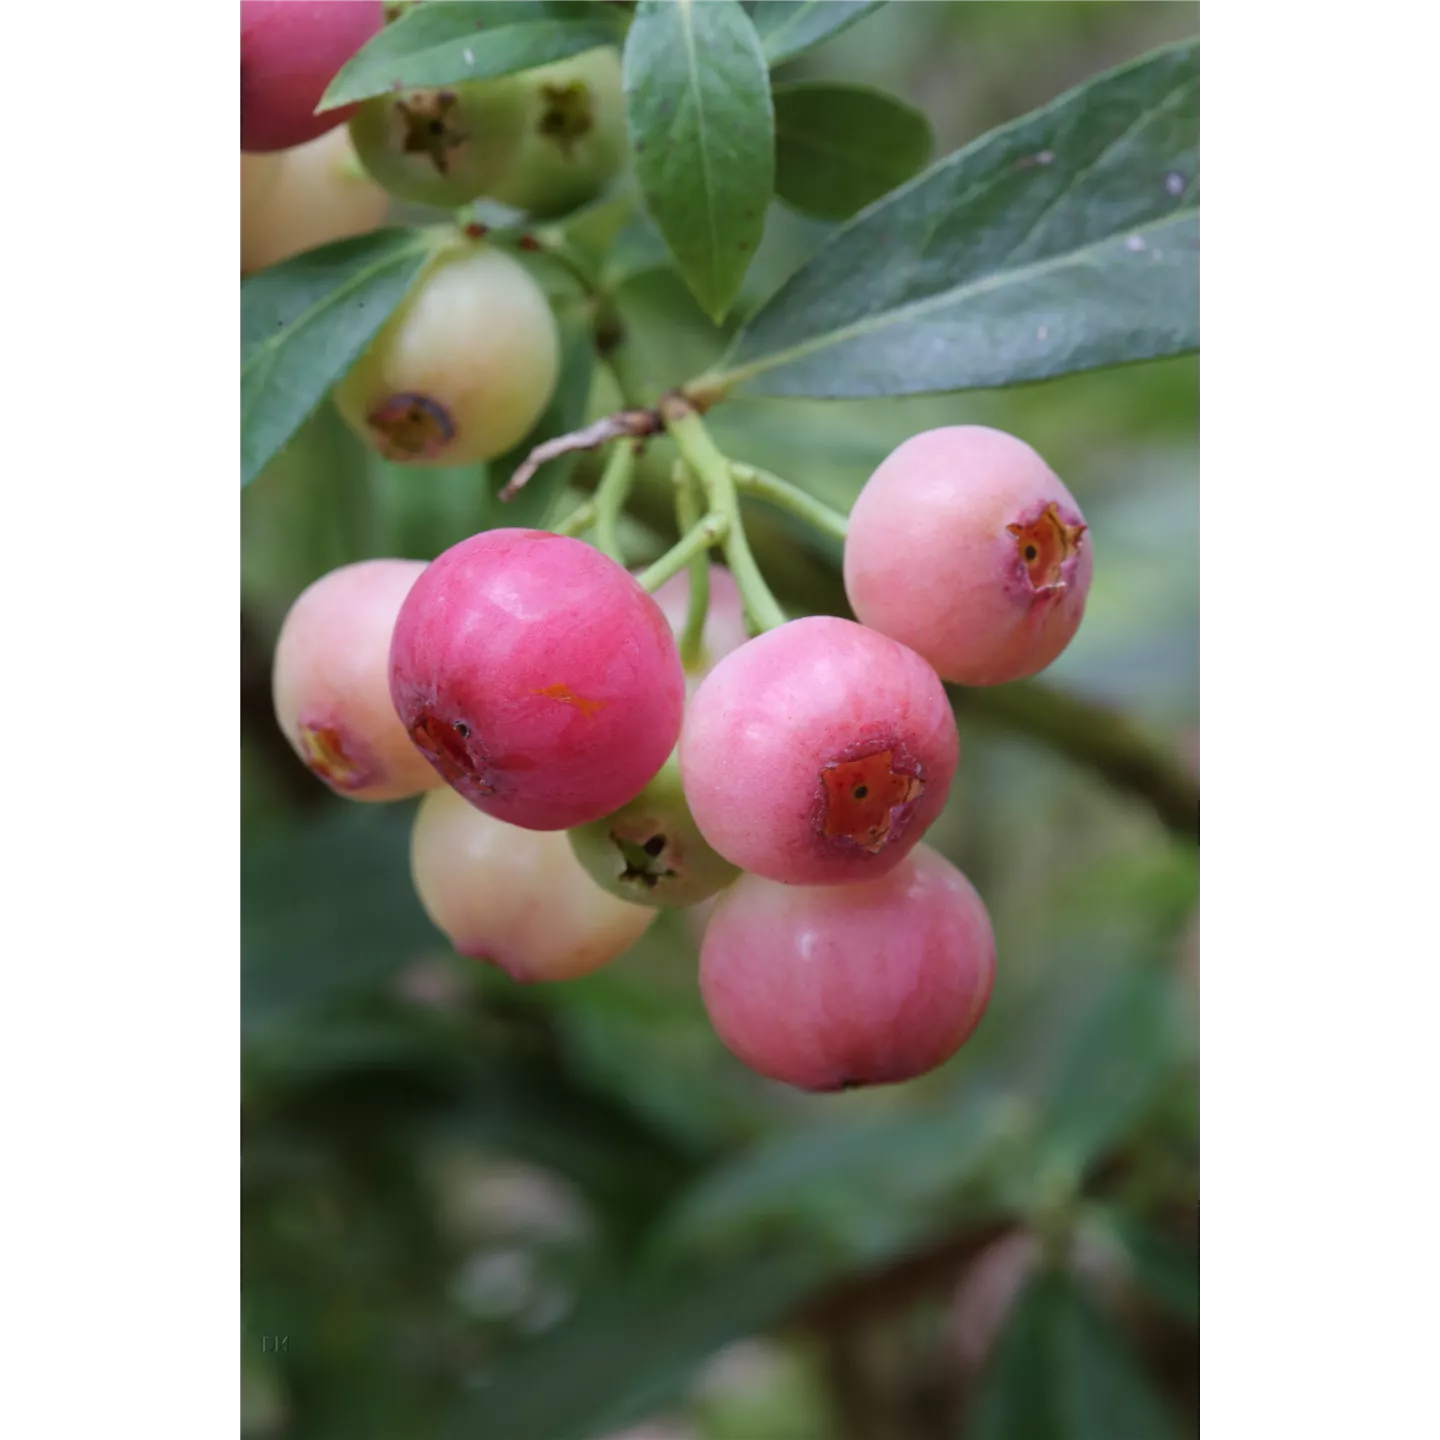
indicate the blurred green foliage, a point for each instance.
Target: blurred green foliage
{"x":476,"y":1209}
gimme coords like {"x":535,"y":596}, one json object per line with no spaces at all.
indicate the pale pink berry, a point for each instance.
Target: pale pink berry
{"x":538,"y":677}
{"x":517,"y":898}
{"x":331,"y":682}
{"x":831,"y":987}
{"x":724,"y":621}
{"x":965,"y":546}
{"x":818,"y":753}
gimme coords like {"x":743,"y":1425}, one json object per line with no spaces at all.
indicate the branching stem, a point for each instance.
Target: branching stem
{"x":699,"y":452}
{"x":710,"y":531}
{"x":751,"y":480}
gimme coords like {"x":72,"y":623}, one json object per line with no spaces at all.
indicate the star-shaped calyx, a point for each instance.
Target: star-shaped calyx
{"x":862,"y":796}
{"x":1045,"y":544}
{"x":432,"y":126}
{"x":411,"y":427}
{"x":568,"y":115}
{"x":644,"y":865}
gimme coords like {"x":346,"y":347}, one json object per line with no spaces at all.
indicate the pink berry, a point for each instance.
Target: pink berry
{"x":331,"y":682}
{"x":517,"y":898}
{"x":965,"y":546}
{"x":538,"y":677}
{"x":868,"y":984}
{"x":724,"y":621}
{"x":818,"y":753}
{"x":290,"y":51}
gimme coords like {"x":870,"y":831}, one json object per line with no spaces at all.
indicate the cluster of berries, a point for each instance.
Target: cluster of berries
{"x":469,"y":362}
{"x":580,"y":780}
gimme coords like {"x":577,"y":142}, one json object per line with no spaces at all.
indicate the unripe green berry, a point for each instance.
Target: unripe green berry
{"x":463,"y":369}
{"x":573,"y":137}
{"x":440,"y":147}
{"x":651,"y":851}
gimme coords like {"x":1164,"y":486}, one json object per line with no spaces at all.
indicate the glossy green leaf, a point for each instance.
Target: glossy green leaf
{"x":304,"y":323}
{"x":702,"y":133}
{"x":1063,"y":1371}
{"x":839,"y":147}
{"x":788,"y":27}
{"x":1064,"y":241}
{"x":459,"y":40}
{"x":630,"y":1350}
{"x":565,"y":412}
{"x":1116,"y":1067}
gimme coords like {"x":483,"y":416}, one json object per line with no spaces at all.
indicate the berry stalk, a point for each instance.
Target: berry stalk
{"x":687,"y":512}
{"x":699,"y":452}
{"x":610,"y":496}
{"x":762,"y":485}
{"x":712,"y":529}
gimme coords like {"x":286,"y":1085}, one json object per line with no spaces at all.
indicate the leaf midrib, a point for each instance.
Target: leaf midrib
{"x":686,"y":11}
{"x":900,"y":314}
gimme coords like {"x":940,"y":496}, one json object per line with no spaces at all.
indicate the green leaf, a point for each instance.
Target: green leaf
{"x":458,"y":41}
{"x":638,"y":249}
{"x":1115,"y":1068}
{"x":838,"y":147}
{"x":1064,"y":241}
{"x":787,"y":27}
{"x":631,"y":1350}
{"x":1062,"y":1371}
{"x":304,"y":323}
{"x":565,"y":412}
{"x":328,"y":911}
{"x":1164,"y":1268}
{"x":866,"y":1189}
{"x":702,"y":133}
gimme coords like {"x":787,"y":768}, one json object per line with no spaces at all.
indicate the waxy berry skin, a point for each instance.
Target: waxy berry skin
{"x":538,"y":677}
{"x":331,"y":683}
{"x":290,"y":51}
{"x":516,"y":898}
{"x":832,"y":987}
{"x":965,"y":546}
{"x":818,"y":753}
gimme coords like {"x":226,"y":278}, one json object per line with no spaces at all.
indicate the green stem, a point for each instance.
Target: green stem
{"x":580,"y":519}
{"x":698,"y":451}
{"x":610,"y":496}
{"x":750,"y":480}
{"x":687,"y":512}
{"x":708,"y":532}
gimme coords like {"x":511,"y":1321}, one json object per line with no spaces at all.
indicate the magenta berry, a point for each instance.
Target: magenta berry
{"x":818,"y":753}
{"x":290,"y":51}
{"x":965,"y":546}
{"x":516,"y":898}
{"x":538,"y":677}
{"x":331,"y":682}
{"x":650,"y":850}
{"x":837,"y":986}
